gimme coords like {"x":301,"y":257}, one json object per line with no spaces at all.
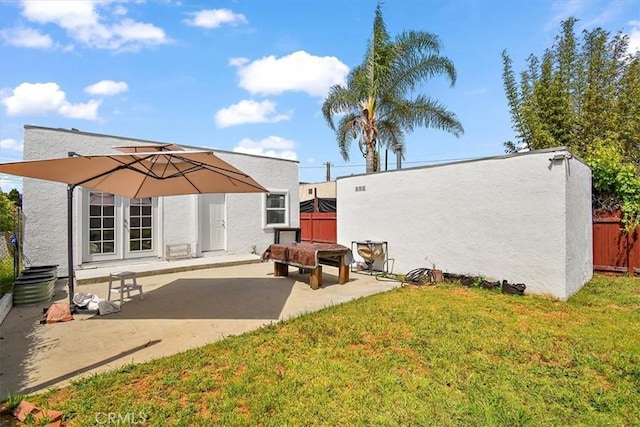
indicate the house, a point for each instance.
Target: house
{"x":524,"y":217}
{"x":110,"y":228}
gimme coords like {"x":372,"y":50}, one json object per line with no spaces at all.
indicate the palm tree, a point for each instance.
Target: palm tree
{"x":373,"y":104}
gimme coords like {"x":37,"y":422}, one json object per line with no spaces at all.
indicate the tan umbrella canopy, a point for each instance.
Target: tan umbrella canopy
{"x":142,"y":174}
{"x":135,"y":175}
{"x":148,"y":148}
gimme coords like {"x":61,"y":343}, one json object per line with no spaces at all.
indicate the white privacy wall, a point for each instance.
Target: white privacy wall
{"x":520,"y":217}
{"x":45,"y":203}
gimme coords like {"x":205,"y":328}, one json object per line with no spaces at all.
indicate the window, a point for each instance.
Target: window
{"x":140,"y":227}
{"x":276,"y":209}
{"x":101,"y":223}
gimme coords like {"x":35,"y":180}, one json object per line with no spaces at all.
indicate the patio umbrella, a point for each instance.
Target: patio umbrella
{"x":148,"y":148}
{"x":136,"y":175}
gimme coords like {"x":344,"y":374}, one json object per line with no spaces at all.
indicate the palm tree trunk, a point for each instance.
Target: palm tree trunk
{"x":370,"y":159}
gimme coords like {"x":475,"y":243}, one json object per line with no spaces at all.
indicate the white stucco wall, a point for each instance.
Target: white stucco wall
{"x":579,"y":259}
{"x":46,"y":212}
{"x":503,"y":218}
{"x":247,"y":209}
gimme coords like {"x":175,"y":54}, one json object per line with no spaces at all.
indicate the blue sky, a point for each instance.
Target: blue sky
{"x":251,"y":75}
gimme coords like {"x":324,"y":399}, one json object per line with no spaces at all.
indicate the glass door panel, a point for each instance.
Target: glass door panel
{"x":102,"y":226}
{"x":141,"y":226}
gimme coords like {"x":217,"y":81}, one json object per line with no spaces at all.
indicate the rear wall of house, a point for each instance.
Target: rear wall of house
{"x":522,"y":218}
{"x":45,"y":203}
{"x":245,"y":211}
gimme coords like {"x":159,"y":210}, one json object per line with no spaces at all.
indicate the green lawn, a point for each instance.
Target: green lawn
{"x":6,"y":274}
{"x":440,"y":355}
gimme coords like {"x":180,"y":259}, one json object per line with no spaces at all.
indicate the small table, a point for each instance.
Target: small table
{"x":310,"y":256}
{"x":125,"y":286}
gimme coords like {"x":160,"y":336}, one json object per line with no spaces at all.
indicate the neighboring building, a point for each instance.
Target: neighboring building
{"x":318,"y":197}
{"x":114,"y":228}
{"x":321,"y":190}
{"x":525,"y":218}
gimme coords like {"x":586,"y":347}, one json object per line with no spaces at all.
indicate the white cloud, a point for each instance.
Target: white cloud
{"x":272,"y":146}
{"x":67,"y":14}
{"x":38,"y":99}
{"x":238,"y":62}
{"x":107,"y":88}
{"x":634,"y":37}
{"x":27,"y":37}
{"x":214,"y":18}
{"x":249,"y":111}
{"x":128,"y":29}
{"x":95,"y":24}
{"x":298,"y":71}
{"x":120,"y":10}
{"x":11,"y":144}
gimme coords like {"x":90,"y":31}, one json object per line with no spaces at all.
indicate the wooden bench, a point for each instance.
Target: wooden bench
{"x":178,"y":251}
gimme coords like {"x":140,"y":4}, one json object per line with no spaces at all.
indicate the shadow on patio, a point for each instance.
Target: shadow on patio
{"x":208,"y":298}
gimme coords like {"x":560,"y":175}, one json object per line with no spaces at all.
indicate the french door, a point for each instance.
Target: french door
{"x":119,"y":228}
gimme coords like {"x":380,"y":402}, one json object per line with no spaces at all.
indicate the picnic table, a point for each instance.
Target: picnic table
{"x":311,"y":257}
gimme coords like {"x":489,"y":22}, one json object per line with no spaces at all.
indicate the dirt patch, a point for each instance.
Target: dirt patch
{"x":462,"y":292}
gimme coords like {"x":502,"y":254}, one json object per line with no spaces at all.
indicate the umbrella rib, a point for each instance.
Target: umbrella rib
{"x":100,"y":175}
{"x":195,"y":166}
{"x":123,"y":165}
{"x":150,"y":170}
{"x":209,"y":167}
{"x":222,"y":171}
{"x":227,"y":173}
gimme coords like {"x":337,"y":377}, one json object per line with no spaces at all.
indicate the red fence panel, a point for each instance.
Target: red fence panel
{"x":614,"y":249}
{"x":634,"y":255}
{"x":319,"y":227}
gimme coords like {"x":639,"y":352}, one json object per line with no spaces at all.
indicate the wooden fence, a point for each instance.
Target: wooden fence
{"x":614,"y":250}
{"x":319,"y":227}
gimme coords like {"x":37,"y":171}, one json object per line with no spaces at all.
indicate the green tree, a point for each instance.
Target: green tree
{"x":376,"y":104}
{"x":585,"y":96}
{"x":6,"y":213}
{"x":15,"y":197}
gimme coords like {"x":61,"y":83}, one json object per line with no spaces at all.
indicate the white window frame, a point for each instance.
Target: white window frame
{"x":284,"y":193}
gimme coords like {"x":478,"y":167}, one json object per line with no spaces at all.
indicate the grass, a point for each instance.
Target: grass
{"x":438,"y":355}
{"x":6,"y":275}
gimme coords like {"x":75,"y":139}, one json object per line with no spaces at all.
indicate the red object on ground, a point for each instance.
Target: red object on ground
{"x":24,"y":409}
{"x":58,"y":312}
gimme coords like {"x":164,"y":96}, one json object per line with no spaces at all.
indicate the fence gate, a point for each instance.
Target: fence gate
{"x":614,"y":249}
{"x":319,"y":227}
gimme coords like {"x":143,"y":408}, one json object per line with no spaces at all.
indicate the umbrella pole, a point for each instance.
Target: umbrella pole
{"x":70,"y":189}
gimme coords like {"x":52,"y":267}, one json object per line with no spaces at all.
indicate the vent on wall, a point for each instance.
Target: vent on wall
{"x":311,"y":191}
{"x":361,"y":188}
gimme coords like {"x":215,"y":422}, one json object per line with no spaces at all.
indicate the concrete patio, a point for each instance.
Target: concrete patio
{"x":181,"y":310}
